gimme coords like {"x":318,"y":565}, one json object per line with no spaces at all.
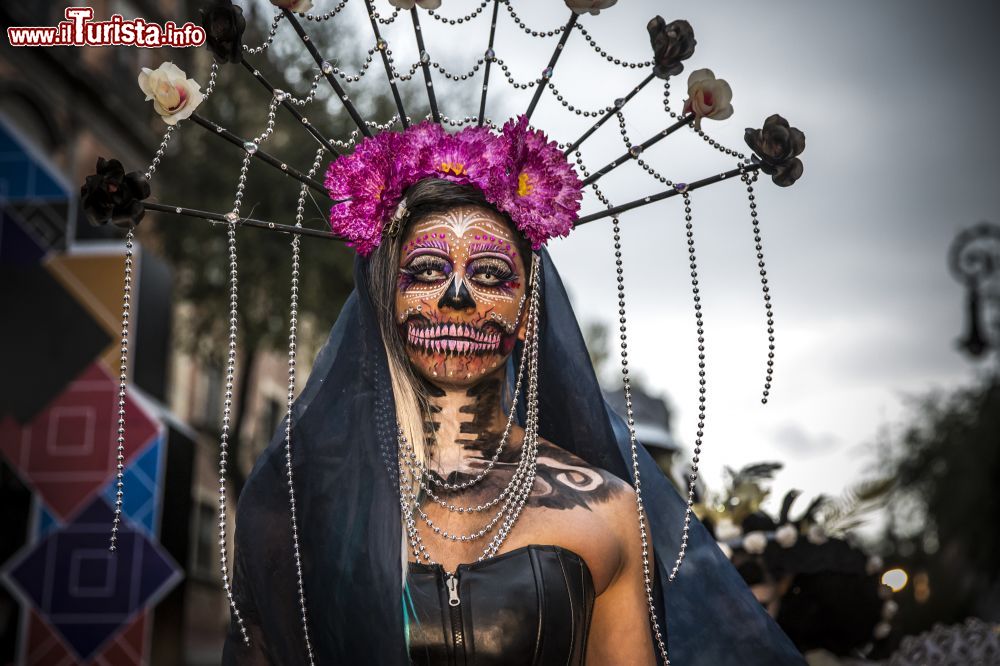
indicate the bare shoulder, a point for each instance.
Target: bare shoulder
{"x":566,"y":481}
{"x":600,"y":520}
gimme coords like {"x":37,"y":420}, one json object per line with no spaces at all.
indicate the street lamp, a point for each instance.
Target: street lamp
{"x":974,"y":260}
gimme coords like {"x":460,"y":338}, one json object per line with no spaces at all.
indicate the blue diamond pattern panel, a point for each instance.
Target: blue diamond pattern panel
{"x":142,"y":500}
{"x":45,"y":520}
{"x":142,"y":497}
{"x":86,"y":593}
{"x":22,"y":176}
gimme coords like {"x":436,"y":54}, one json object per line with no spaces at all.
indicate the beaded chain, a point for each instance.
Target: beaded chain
{"x":293,"y":320}
{"x":630,"y":420}
{"x":126,"y":313}
{"x":516,"y":492}
{"x":232,"y":219}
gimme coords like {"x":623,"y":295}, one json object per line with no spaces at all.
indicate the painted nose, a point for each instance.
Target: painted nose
{"x":456,"y":296}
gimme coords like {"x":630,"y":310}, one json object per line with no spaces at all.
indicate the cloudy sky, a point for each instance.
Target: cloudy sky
{"x":898,"y":102}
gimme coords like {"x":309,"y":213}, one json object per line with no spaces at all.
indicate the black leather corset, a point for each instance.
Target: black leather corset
{"x":531,"y":605}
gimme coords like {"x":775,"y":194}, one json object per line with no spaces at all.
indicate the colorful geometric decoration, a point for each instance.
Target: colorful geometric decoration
{"x":80,"y":604}
{"x":25,"y":175}
{"x":43,"y":646}
{"x":83,"y":592}
{"x":69,"y":451}
{"x":55,"y":339}
{"x":17,"y":246}
{"x":95,"y":280}
{"x":141,"y":504}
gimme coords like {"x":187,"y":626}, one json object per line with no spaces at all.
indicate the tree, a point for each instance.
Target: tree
{"x":945,"y":511}
{"x":201,"y":172}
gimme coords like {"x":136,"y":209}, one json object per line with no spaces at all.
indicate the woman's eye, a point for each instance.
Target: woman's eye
{"x":491,"y":273}
{"x":427,"y":269}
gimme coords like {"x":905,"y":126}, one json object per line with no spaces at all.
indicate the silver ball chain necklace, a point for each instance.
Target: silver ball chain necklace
{"x":517,"y":491}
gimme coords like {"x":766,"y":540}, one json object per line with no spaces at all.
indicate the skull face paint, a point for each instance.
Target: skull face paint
{"x":460,"y":294}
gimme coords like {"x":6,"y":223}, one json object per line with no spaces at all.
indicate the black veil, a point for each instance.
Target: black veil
{"x":344,"y":466}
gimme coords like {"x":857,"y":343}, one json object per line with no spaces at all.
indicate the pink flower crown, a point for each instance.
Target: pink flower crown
{"x":519,"y":171}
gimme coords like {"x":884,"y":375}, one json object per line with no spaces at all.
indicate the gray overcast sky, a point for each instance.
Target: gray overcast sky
{"x":898,"y":101}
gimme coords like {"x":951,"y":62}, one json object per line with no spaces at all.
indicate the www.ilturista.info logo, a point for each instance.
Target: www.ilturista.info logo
{"x":79,"y":30}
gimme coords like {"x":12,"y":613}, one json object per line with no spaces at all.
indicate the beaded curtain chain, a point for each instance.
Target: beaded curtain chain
{"x":126,"y":313}
{"x":630,"y":420}
{"x":293,"y":321}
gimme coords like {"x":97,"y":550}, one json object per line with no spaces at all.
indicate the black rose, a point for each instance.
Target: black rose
{"x":672,"y":43}
{"x":111,"y":195}
{"x":224,"y":25}
{"x":778,"y":145}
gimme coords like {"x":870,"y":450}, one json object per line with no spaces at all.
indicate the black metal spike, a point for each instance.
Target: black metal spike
{"x":489,"y":62}
{"x":547,"y":72}
{"x":242,"y":222}
{"x":637,"y":150}
{"x":607,"y":114}
{"x":382,"y":47}
{"x":666,"y":194}
{"x":330,"y":77}
{"x":267,"y":158}
{"x":425,"y":65}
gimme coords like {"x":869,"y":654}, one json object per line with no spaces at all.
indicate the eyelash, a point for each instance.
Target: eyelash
{"x":500,"y":270}
{"x":426,"y":262}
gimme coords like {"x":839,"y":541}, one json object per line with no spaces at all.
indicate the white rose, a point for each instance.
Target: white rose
{"x":708,"y":97}
{"x":591,"y":6}
{"x":755,"y":543}
{"x":725,"y":530}
{"x":726,"y":550}
{"x":175,"y":97}
{"x":300,"y":6}
{"x":786,"y":535}
{"x":874,"y":565}
{"x":816,"y":535}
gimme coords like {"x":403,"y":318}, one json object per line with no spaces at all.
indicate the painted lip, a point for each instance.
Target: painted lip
{"x":454,"y":338}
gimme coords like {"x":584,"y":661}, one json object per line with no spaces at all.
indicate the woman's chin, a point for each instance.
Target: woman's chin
{"x":455,"y":369}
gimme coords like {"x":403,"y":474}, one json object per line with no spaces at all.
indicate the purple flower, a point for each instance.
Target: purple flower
{"x":521,"y":172}
{"x":419,"y":139}
{"x":544,"y":192}
{"x":474,"y":155}
{"x":369,"y":179}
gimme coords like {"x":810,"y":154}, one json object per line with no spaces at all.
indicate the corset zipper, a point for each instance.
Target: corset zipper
{"x":456,"y":613}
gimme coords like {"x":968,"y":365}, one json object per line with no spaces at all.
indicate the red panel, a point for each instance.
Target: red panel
{"x":44,"y":648}
{"x":69,"y":451}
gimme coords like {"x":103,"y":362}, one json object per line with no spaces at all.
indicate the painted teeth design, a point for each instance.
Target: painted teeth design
{"x":453,"y":339}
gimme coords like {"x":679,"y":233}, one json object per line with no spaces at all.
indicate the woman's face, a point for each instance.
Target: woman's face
{"x":460,"y":294}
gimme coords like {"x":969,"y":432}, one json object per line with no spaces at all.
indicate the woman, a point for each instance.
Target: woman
{"x":461,"y":490}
